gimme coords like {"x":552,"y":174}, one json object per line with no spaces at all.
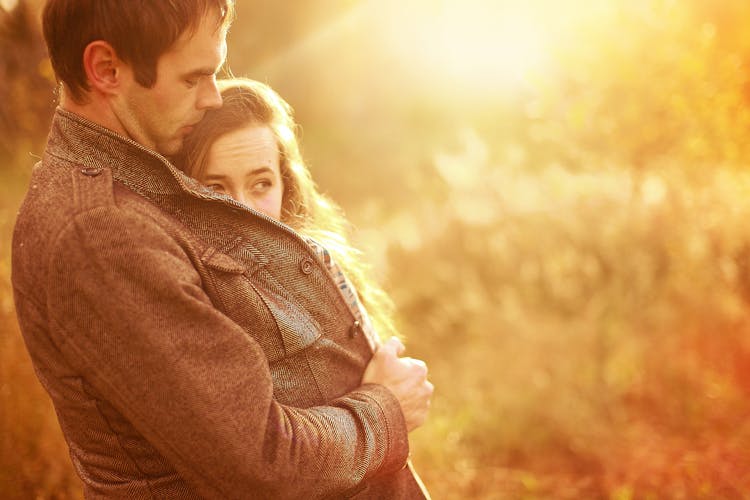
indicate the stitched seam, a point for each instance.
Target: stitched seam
{"x":314,"y":377}
{"x":287,"y":296}
{"x":308,"y":317}
{"x":122,"y":448}
{"x":38,"y":305}
{"x":218,"y":298}
{"x":113,"y":388}
{"x":388,"y":432}
{"x":302,"y":351}
{"x":96,"y":403}
{"x":54,"y":323}
{"x":311,"y":323}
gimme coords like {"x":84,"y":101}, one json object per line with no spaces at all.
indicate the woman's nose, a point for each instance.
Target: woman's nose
{"x":240,"y":196}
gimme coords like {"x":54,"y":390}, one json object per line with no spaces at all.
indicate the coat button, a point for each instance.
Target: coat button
{"x":91,"y":171}
{"x":354,"y":329}
{"x":307,"y":265}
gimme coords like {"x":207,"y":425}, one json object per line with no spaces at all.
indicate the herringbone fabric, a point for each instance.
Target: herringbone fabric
{"x":349,"y":294}
{"x":192,"y":347}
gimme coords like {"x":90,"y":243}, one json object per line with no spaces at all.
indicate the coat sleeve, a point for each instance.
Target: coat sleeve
{"x":127,"y":310}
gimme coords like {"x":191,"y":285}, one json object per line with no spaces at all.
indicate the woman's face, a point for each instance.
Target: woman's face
{"x":244,"y":164}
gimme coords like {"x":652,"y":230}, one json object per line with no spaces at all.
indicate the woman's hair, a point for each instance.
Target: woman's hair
{"x":247,"y":103}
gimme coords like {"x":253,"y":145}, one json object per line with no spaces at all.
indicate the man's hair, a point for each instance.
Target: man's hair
{"x":140,"y":31}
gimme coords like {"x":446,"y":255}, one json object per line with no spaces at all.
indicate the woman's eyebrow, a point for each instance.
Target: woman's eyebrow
{"x":214,"y":177}
{"x":255,"y":171}
{"x":259,"y":170}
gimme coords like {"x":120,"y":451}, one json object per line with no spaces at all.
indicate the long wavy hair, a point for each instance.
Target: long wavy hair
{"x":306,"y":210}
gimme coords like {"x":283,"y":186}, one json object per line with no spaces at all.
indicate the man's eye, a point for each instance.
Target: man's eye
{"x":191,"y":82}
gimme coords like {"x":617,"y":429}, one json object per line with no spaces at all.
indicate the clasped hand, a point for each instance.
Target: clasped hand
{"x":405,"y":377}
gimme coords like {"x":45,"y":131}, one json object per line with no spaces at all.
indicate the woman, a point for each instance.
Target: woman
{"x":248,"y":150}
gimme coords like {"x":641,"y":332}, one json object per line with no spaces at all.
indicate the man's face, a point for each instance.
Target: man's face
{"x":160,"y":117}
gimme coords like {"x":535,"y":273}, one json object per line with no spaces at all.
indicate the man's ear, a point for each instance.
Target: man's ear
{"x":104,"y":70}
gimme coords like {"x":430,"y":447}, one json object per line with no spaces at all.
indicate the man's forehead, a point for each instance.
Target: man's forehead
{"x":208,"y":27}
{"x":201,"y":49}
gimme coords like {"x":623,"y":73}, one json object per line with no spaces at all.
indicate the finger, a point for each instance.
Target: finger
{"x":394,"y":345}
{"x":400,"y":346}
{"x":418,"y":362}
{"x":430,"y":387}
{"x":389,"y":348}
{"x":416,"y":367}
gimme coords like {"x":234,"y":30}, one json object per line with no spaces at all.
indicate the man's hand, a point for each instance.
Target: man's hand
{"x":406,"y":378}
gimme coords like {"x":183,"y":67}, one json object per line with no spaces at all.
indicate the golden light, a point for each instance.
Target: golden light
{"x":496,"y":47}
{"x":480,"y":44}
{"x":8,"y":5}
{"x":465,"y":45}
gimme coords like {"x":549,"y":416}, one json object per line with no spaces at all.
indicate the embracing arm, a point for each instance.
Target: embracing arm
{"x":127,"y":310}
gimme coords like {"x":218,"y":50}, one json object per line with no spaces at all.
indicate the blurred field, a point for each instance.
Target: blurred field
{"x":556,"y":194}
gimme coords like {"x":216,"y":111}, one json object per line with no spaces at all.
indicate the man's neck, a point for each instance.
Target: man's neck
{"x":95,"y":110}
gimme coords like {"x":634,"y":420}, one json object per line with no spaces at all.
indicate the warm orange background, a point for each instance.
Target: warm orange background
{"x":555,"y":192}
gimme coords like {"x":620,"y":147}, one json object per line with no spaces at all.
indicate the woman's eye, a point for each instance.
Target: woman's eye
{"x":191,"y":82}
{"x":262,"y":186}
{"x":218,"y":188}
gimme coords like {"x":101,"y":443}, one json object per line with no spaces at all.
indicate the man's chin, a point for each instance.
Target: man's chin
{"x":170,"y":148}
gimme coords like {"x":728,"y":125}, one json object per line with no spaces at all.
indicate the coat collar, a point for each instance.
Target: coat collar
{"x":78,"y":140}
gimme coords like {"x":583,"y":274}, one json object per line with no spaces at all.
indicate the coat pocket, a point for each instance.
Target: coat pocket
{"x":255,"y":300}
{"x":298,"y":330}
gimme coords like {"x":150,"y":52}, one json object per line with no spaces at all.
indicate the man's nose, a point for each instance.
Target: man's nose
{"x":210,"y":97}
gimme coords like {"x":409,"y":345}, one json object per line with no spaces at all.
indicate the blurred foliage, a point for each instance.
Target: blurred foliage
{"x":25,"y":80}
{"x":555,"y":194}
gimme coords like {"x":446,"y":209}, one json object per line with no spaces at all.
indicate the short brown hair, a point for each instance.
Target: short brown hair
{"x":140,"y":31}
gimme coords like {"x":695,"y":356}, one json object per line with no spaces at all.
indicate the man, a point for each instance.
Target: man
{"x":192,"y":347}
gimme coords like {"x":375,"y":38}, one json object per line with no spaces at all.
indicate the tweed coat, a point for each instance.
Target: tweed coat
{"x":192,"y":347}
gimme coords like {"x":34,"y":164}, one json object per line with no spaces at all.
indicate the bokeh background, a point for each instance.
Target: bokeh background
{"x":556,"y":194}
